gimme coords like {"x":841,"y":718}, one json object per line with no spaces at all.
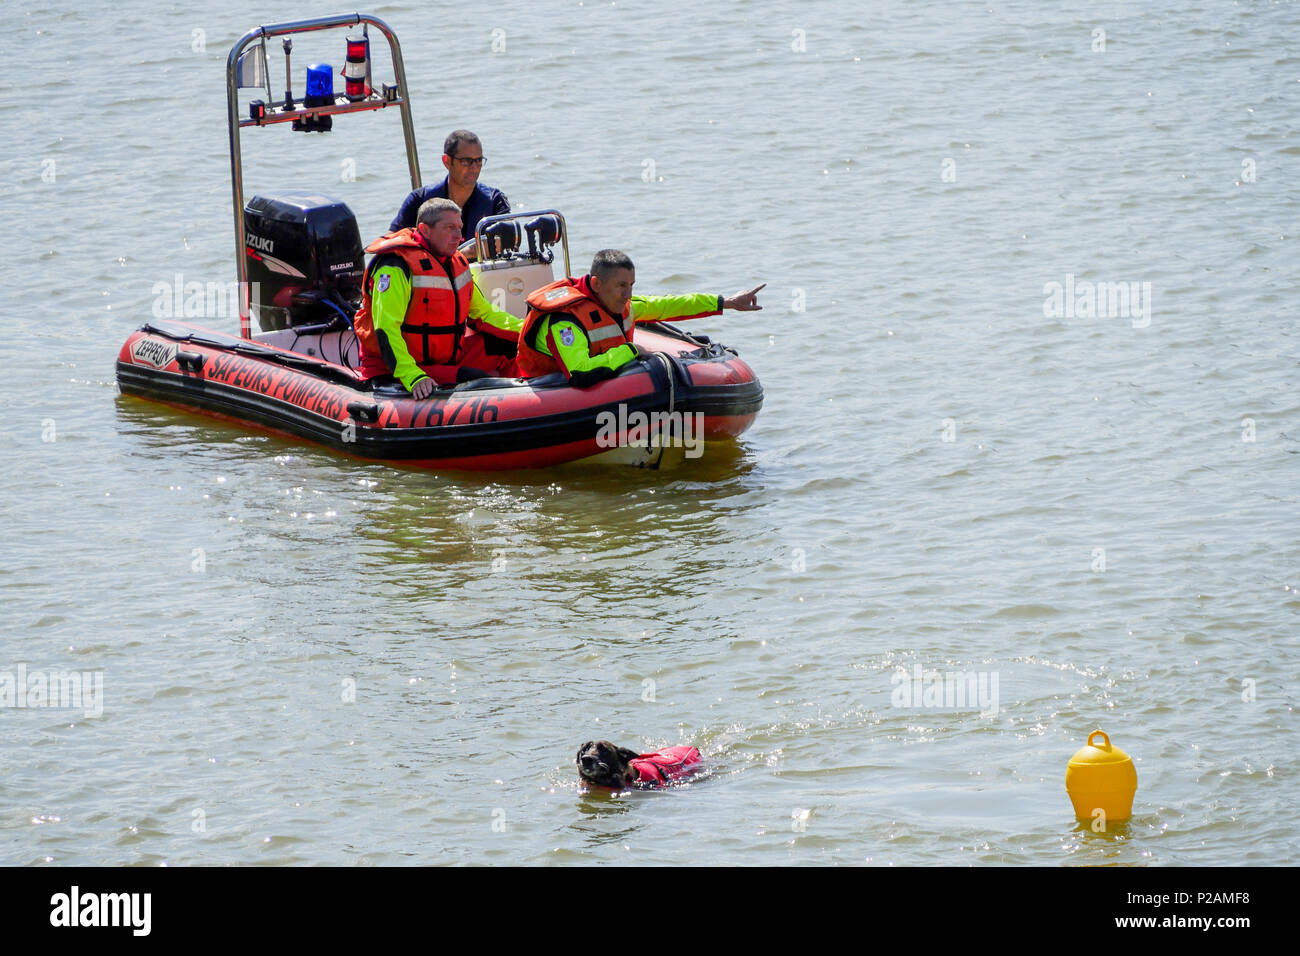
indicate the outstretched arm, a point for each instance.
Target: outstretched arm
{"x":661,"y":308}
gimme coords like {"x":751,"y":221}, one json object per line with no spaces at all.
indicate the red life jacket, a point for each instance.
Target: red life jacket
{"x":604,"y":330}
{"x":438,"y":311}
{"x":664,"y":766}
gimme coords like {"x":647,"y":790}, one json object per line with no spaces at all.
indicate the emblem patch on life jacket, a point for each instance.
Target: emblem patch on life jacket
{"x":382,"y":282}
{"x":555,"y":294}
{"x":566,"y":336}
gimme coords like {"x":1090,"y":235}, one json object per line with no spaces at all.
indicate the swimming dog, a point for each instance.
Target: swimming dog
{"x":608,"y":766}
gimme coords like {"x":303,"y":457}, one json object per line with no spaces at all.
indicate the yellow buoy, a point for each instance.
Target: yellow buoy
{"x":1101,"y":781}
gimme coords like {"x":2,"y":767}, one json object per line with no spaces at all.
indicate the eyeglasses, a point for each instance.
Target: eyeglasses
{"x":469,"y":163}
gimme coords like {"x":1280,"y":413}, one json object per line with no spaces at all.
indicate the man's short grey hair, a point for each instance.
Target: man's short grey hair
{"x":608,"y":261}
{"x":457,"y":138}
{"x":431,"y":210}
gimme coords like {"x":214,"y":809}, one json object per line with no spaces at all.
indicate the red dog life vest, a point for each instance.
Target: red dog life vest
{"x":665,"y":766}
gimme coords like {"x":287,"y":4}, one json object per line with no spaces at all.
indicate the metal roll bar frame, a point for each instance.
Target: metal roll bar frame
{"x":372,"y":102}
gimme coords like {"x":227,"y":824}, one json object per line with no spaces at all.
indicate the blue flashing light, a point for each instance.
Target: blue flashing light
{"x":320,"y":81}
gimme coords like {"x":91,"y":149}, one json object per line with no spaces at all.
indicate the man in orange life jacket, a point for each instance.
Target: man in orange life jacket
{"x":418,"y":300}
{"x":583,"y":327}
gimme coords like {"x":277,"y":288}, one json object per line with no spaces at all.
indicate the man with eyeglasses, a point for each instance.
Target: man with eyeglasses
{"x":463,"y":157}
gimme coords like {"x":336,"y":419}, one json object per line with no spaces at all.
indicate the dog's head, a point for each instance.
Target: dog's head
{"x":602,"y":764}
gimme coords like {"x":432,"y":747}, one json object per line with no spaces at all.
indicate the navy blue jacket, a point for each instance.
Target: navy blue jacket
{"x":483,"y":201}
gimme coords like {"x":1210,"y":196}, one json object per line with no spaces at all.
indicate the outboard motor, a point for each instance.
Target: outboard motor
{"x":305,"y":259}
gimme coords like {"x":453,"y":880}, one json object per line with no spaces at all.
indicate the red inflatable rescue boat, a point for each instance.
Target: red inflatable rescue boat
{"x":300,"y":264}
{"x":670,"y":404}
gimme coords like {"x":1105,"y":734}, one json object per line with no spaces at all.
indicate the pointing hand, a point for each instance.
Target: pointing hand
{"x":744,"y":301}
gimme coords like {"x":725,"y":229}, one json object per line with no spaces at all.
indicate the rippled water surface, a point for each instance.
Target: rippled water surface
{"x":312,"y":659}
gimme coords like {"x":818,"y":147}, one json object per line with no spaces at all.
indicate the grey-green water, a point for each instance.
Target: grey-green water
{"x":310,"y":659}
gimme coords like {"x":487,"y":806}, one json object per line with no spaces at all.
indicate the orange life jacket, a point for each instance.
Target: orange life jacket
{"x":439,"y":308}
{"x":604,"y":330}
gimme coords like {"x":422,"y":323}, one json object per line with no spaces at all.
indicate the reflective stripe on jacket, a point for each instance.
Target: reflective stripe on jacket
{"x":604,"y":330}
{"x":543,"y":318}
{"x":437,"y":312}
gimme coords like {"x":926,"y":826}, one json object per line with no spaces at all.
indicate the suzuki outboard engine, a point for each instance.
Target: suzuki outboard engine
{"x":305,"y":259}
